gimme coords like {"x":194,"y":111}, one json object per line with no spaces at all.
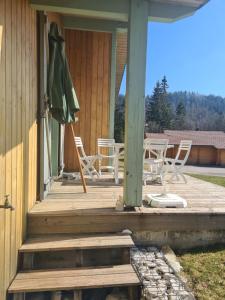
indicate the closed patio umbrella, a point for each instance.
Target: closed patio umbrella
{"x":63,"y":103}
{"x":62,"y":99}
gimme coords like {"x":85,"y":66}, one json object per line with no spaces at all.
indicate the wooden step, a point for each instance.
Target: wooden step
{"x":73,"y":279}
{"x":73,"y":242}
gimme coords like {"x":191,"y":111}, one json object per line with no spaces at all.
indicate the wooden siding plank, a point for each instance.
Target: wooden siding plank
{"x":106,"y":87}
{"x":94,"y":96}
{"x":83,"y":84}
{"x":76,"y":54}
{"x":13,"y":248}
{"x":88,"y":114}
{"x":99,"y":85}
{"x":19,"y":204}
{"x":113,"y":66}
{"x":8,"y":135}
{"x":2,"y":144}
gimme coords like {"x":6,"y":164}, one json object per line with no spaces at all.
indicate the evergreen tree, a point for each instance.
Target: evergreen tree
{"x":119,"y":121}
{"x":166,"y":110}
{"x":180,"y":110}
{"x":158,"y":109}
{"x":180,"y":116}
{"x":164,"y":85}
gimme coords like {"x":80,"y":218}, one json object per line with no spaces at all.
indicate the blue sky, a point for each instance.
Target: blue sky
{"x":190,"y":52}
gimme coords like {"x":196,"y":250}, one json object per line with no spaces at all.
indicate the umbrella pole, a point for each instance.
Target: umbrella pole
{"x":78,"y":159}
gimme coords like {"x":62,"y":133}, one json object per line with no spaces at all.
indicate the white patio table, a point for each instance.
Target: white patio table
{"x":119,"y":152}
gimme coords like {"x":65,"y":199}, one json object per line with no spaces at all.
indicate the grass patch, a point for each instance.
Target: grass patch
{"x":205,"y":271}
{"x":219,"y":180}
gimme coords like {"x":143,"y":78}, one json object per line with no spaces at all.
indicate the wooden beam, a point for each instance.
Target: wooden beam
{"x":162,"y":11}
{"x":135,"y":102}
{"x":87,"y":24}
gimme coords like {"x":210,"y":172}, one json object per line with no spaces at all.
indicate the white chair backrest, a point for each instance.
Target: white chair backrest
{"x":155,"y":148}
{"x":80,"y":147}
{"x":184,"y":150}
{"x":105,"y":143}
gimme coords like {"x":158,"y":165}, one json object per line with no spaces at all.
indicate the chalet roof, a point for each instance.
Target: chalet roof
{"x":199,"y":138}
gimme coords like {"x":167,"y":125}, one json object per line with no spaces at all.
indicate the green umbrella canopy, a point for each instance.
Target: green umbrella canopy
{"x":63,"y":103}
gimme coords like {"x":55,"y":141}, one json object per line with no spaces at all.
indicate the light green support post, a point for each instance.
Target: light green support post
{"x":135,"y":102}
{"x":112,"y":86}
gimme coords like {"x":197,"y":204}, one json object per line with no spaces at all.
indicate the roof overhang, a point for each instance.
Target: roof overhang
{"x":117,"y":10}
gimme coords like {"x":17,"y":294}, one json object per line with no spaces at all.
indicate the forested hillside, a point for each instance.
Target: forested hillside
{"x":177,"y":110}
{"x":202,"y":112}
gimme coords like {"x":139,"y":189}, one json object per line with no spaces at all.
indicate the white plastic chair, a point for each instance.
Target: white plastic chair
{"x":154,"y":157}
{"x":176,"y":165}
{"x":87,"y":162}
{"x":107,"y":144}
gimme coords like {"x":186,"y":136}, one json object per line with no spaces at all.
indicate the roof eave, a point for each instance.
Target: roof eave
{"x":160,"y":10}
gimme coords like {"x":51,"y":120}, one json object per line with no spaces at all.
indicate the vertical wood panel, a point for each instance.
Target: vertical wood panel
{"x":89,"y":70}
{"x":2,"y":144}
{"x":19,"y":166}
{"x":100,"y":85}
{"x":89,"y":57}
{"x":8,"y":135}
{"x":13,"y":249}
{"x":106,"y":86}
{"x":94,"y":97}
{"x":18,"y":132}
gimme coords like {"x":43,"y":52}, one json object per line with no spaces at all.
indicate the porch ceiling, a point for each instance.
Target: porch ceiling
{"x":159,"y":10}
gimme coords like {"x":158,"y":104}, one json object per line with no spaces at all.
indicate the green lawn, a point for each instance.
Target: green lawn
{"x":213,"y":179}
{"x":205,"y":271}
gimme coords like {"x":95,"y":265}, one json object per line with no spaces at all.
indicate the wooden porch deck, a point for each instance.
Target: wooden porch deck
{"x":68,"y":210}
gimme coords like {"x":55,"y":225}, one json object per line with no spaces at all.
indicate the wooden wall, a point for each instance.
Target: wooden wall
{"x":202,"y":155}
{"x":207,"y":155}
{"x":220,"y":157}
{"x":89,"y":57}
{"x":18,"y":128}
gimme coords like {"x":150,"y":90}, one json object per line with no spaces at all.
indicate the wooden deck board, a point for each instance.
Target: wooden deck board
{"x":95,"y":212}
{"x":69,"y":279}
{"x":67,"y":196}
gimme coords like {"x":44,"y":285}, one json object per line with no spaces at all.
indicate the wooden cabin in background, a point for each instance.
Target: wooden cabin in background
{"x":208,"y":147}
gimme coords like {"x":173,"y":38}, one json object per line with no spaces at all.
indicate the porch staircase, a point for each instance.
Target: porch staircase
{"x":52,"y":265}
